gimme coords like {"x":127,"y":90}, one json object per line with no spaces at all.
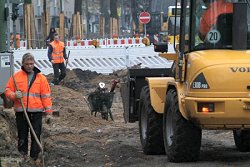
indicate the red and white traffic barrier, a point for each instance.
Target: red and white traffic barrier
{"x":23,"y":44}
{"x":102,"y":43}
{"x":107,"y":42}
{"x":79,"y":43}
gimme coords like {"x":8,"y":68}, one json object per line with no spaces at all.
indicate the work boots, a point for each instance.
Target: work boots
{"x":38,"y":163}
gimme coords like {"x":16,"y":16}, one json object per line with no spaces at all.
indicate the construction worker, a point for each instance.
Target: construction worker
{"x":209,"y":17}
{"x":30,"y":87}
{"x":56,"y":55}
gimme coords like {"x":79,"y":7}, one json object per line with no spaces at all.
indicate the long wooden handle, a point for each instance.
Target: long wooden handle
{"x":67,"y":59}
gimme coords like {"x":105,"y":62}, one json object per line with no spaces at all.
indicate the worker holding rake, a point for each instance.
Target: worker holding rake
{"x":30,"y":91}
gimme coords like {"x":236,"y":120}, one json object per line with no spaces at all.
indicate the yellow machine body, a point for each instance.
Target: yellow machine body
{"x":223,"y":81}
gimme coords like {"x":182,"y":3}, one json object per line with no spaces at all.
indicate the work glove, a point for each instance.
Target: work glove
{"x":18,"y":94}
{"x":52,"y":61}
{"x":49,"y":118}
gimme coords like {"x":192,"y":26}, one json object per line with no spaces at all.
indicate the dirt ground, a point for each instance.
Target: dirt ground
{"x":78,"y":139}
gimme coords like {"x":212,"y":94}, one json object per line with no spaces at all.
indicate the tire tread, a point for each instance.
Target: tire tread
{"x":186,"y":138}
{"x":154,"y":144}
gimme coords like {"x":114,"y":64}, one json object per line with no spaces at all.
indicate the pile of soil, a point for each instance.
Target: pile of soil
{"x":75,"y":137}
{"x":7,"y":133}
{"x":85,"y":81}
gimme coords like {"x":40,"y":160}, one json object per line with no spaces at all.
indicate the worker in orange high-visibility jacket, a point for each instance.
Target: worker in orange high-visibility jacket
{"x":56,"y":55}
{"x":34,"y":90}
{"x":209,"y":17}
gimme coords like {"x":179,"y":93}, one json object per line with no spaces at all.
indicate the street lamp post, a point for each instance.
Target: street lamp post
{"x":8,"y":27}
{"x":87,"y":19}
{"x":3,"y":27}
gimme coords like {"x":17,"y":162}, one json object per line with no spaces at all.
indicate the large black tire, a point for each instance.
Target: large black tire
{"x":182,"y":140}
{"x":150,"y":125}
{"x":242,"y":140}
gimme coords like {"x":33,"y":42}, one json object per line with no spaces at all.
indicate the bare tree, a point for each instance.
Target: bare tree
{"x":113,"y":9}
{"x":78,"y":6}
{"x":105,"y":6}
{"x":135,"y":13}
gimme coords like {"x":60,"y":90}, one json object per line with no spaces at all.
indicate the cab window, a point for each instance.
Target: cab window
{"x":212,"y":24}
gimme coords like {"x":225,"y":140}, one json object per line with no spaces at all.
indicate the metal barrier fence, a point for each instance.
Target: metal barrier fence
{"x":101,"y":60}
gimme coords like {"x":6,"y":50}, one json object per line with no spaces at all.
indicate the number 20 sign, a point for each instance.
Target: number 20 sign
{"x":213,"y":36}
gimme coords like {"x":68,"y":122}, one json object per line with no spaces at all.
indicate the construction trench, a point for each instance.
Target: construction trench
{"x":76,"y":138}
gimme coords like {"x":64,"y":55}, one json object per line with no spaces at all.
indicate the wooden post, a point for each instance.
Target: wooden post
{"x":114,"y":26}
{"x":77,"y":24}
{"x":33,"y":28}
{"x":102,"y":26}
{"x":74,"y":25}
{"x":29,"y":21}
{"x":46,"y":25}
{"x":26,"y":24}
{"x":80,"y":26}
{"x":61,"y":28}
{"x":111,"y":27}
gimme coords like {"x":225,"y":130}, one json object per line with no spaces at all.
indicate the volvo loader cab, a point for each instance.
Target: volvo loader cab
{"x":208,"y":86}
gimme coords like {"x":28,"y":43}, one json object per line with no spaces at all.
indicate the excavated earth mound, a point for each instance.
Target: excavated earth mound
{"x":75,"y":136}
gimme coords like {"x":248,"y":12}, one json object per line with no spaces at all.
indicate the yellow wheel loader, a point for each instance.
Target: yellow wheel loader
{"x":208,"y":86}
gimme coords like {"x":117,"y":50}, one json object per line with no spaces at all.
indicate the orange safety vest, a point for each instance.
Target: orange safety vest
{"x":57,"y":53}
{"x":209,"y":17}
{"x":37,"y":99}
